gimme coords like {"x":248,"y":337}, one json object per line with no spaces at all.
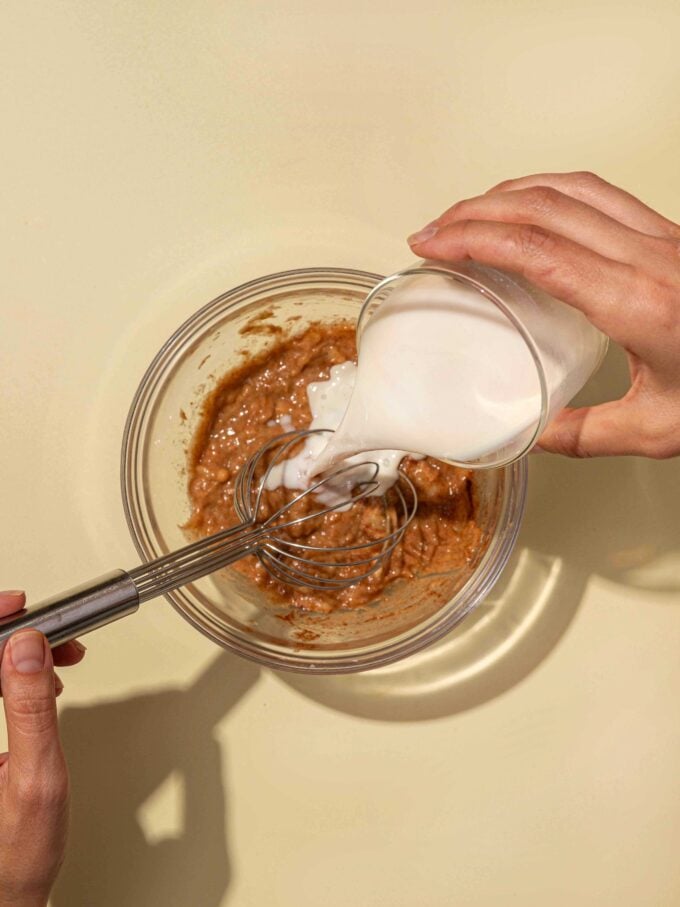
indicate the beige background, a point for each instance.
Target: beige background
{"x":155,"y":154}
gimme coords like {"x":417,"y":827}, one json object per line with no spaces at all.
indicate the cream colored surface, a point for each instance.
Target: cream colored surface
{"x":155,"y":154}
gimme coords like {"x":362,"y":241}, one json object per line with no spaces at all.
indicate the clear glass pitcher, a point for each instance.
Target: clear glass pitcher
{"x":562,"y":350}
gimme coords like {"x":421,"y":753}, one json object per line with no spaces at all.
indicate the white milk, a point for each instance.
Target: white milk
{"x":441,"y":372}
{"x":328,"y":401}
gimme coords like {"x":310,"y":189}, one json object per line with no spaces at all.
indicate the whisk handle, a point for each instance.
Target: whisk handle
{"x":81,"y":609}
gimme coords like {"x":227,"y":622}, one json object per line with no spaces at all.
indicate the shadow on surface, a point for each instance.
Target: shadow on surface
{"x":612,"y":517}
{"x":119,"y":754}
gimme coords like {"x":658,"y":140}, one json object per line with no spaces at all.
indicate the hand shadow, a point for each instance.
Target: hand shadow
{"x":119,"y":753}
{"x":615,"y":518}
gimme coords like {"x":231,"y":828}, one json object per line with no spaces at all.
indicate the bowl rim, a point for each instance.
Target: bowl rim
{"x":473,"y":591}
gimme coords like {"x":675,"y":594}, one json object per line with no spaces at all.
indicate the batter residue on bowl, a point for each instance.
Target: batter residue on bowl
{"x":266,"y":397}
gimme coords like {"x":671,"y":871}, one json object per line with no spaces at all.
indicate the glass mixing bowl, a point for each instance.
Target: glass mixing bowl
{"x":164,"y":415}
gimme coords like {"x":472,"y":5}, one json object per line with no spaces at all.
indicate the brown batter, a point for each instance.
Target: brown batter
{"x":239,"y":417}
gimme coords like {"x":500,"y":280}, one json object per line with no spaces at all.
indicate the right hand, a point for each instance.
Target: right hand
{"x":34,"y":789}
{"x":604,"y":252}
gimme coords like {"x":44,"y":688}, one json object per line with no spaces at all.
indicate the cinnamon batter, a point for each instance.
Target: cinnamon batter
{"x":250,"y":406}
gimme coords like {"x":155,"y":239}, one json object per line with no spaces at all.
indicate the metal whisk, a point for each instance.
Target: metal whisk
{"x":266,"y":535}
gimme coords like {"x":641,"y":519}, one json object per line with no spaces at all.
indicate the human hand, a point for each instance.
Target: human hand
{"x":34,"y":792}
{"x":604,"y":252}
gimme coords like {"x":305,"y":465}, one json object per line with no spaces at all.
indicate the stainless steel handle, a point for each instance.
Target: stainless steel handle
{"x":73,"y":613}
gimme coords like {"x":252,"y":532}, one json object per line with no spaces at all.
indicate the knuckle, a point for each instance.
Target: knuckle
{"x":503,"y":186}
{"x":669,"y":246}
{"x":455,"y":211}
{"x":541,"y":199}
{"x":46,"y":792}
{"x":32,"y":714}
{"x":561,"y":442}
{"x":532,"y":240}
{"x":656,"y":439}
{"x":468,"y":230}
{"x":660,"y":301}
{"x":580,"y":450}
{"x":587,"y":181}
{"x":656,"y":446}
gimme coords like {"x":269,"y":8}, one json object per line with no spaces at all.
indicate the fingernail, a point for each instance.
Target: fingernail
{"x":28,"y":652}
{"x":17,"y":592}
{"x":537,"y":449}
{"x":79,"y":646}
{"x":58,"y":685}
{"x":426,"y":233}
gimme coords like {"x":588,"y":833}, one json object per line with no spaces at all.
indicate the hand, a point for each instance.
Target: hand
{"x":34,"y":792}
{"x":601,"y":250}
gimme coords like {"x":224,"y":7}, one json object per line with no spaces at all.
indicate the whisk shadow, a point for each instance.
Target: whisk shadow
{"x":612,"y":518}
{"x":119,"y":753}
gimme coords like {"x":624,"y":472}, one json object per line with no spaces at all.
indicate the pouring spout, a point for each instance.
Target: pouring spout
{"x":337,"y":450}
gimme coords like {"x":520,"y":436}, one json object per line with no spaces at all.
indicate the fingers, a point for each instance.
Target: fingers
{"x":28,"y":687}
{"x":70,"y":653}
{"x":34,"y":789}
{"x":598,"y":286}
{"x":593,"y":431}
{"x":11,"y":601}
{"x":594,"y":191}
{"x":562,"y":214}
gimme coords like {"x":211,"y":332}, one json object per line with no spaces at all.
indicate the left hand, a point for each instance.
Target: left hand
{"x":34,"y":790}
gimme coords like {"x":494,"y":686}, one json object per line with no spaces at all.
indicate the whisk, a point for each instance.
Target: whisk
{"x":266,"y":535}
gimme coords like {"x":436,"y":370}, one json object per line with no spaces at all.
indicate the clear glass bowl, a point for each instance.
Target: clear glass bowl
{"x":164,"y":415}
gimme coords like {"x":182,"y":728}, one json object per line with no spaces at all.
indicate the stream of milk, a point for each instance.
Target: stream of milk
{"x":329,"y":401}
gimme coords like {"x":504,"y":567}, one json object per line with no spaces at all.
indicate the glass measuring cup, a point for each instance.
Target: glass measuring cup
{"x":555,"y":345}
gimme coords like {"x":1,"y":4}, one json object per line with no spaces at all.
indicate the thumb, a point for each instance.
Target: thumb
{"x":591,"y":431}
{"x":30,"y":706}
